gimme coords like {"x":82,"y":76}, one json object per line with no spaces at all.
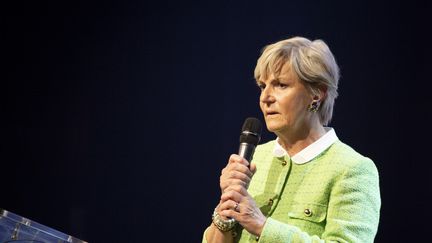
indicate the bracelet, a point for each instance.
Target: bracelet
{"x":223,"y":224}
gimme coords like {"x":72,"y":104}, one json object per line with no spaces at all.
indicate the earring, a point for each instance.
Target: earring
{"x":314,"y":106}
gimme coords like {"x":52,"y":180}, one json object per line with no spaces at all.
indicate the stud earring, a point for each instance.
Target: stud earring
{"x":314,"y":106}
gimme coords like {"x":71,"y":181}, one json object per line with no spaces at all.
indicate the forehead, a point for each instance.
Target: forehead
{"x":284,"y":71}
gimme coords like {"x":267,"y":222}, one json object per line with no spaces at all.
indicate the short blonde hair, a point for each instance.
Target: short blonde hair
{"x":313,"y":63}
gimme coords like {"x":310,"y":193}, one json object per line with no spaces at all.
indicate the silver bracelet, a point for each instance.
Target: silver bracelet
{"x":223,"y":224}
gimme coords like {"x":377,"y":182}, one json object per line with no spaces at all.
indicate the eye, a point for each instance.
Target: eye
{"x":281,"y":85}
{"x":261,"y":86}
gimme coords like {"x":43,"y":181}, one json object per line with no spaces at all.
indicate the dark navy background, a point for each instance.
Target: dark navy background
{"x":118,"y":118}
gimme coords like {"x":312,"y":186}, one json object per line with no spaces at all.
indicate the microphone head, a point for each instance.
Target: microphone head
{"x":251,"y":131}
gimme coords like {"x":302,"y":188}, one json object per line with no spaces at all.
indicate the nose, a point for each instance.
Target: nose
{"x":266,"y":96}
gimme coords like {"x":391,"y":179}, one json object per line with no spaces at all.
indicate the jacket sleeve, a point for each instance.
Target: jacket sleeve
{"x":352,"y":214}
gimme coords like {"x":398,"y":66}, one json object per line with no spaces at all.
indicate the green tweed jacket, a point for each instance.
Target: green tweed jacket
{"x":334,"y":197}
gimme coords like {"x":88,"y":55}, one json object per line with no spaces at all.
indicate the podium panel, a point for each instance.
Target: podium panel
{"x":17,"y":229}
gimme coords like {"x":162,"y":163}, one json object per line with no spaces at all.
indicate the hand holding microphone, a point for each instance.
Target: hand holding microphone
{"x":239,"y":171}
{"x":236,"y":204}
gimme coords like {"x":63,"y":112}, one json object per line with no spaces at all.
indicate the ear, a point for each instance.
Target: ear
{"x":320,"y":93}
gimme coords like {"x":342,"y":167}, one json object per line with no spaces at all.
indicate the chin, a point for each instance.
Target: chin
{"x":274,"y":126}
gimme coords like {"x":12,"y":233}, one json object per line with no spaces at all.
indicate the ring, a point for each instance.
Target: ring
{"x":236,"y":207}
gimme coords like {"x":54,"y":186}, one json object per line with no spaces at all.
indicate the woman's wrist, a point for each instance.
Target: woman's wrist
{"x":260,"y":227}
{"x":221,"y":223}
{"x":214,"y":235}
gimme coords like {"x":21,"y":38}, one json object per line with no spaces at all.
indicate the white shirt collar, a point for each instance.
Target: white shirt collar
{"x":311,"y":151}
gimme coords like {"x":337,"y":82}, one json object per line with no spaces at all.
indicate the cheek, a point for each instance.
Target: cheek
{"x":295,"y":106}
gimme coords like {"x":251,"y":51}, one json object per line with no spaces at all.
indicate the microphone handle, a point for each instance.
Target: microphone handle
{"x":246,"y":151}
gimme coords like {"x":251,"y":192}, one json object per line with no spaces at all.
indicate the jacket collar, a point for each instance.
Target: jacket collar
{"x":311,"y":151}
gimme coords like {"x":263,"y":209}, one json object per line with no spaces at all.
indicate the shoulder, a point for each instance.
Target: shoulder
{"x":344,"y":157}
{"x":263,"y":152}
{"x":265,"y":148}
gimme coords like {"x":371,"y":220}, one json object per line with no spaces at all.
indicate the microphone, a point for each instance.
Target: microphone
{"x":249,"y":137}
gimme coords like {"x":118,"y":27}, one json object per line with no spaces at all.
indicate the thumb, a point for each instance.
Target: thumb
{"x":253,"y":168}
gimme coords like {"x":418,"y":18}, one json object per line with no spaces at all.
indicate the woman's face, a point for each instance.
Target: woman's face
{"x":284,"y":102}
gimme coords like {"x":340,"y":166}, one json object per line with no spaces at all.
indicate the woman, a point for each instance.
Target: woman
{"x":305,"y":186}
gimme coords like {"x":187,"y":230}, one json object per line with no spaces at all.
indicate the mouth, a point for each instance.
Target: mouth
{"x":270,"y":113}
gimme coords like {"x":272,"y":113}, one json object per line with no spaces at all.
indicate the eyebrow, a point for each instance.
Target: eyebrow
{"x":259,"y":83}
{"x":273,"y":80}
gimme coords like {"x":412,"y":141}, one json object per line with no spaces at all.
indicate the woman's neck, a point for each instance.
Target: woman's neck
{"x":294,"y":142}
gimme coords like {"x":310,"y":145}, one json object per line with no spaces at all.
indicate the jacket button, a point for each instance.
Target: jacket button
{"x":284,"y":163}
{"x":308,"y":212}
{"x":270,"y":202}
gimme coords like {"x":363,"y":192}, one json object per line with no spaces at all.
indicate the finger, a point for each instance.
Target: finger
{"x":235,"y":158}
{"x":235,"y":174}
{"x":232,"y":195}
{"x":232,"y":173}
{"x":243,"y":169}
{"x":237,"y":167}
{"x":226,"y":183}
{"x":238,"y":175}
{"x":227,"y":205}
{"x":237,"y":188}
{"x":230,"y":213}
{"x":223,"y":170}
{"x":253,"y":168}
